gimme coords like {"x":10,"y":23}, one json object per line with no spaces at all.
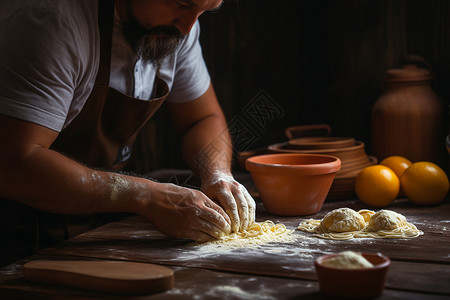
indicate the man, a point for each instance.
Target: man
{"x":77,"y":81}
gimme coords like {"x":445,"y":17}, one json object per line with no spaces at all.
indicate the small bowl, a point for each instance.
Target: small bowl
{"x":293,"y":184}
{"x":353,"y":283}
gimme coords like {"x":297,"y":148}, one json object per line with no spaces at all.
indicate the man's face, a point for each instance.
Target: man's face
{"x":154,"y":28}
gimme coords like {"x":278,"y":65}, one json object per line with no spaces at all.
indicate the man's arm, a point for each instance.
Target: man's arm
{"x":207,"y":149}
{"x":33,"y":174}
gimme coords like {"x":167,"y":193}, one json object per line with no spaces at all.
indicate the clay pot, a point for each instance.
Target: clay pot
{"x":293,"y":184}
{"x":364,"y":283}
{"x":307,"y":130}
{"x":407,"y":119}
{"x":320,"y":142}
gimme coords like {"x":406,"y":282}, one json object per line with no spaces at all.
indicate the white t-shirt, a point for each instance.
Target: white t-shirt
{"x":49,"y":56}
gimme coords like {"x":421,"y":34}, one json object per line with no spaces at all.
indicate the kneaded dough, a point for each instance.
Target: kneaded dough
{"x":342,"y":220}
{"x":345,"y":223}
{"x":366,"y":214}
{"x":347,"y":260}
{"x":386,"y":220}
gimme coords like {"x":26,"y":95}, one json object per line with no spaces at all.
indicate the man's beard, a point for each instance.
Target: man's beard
{"x":151,"y":44}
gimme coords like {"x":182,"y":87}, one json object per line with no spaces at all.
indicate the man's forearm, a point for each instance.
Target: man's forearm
{"x":52,"y":182}
{"x":207,"y":147}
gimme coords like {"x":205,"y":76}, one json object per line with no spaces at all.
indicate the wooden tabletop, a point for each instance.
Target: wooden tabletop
{"x":420,"y":267}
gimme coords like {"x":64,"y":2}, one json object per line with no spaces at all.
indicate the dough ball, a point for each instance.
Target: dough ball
{"x":366,"y":214}
{"x":347,"y":260}
{"x":342,"y":220}
{"x":386,"y":220}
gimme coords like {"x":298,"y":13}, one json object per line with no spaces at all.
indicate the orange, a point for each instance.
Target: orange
{"x":396,"y":163}
{"x":377,"y":186}
{"x":425,"y":183}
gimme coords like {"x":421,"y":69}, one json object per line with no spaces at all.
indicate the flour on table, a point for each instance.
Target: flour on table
{"x":234,"y":292}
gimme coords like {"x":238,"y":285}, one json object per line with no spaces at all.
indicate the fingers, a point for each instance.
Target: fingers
{"x":226,"y":199}
{"x":251,"y":205}
{"x":214,"y":222}
{"x":246,"y":207}
{"x":243,"y":209}
{"x":211,"y":223}
{"x":203,"y":222}
{"x":215,"y":214}
{"x":237,"y":202}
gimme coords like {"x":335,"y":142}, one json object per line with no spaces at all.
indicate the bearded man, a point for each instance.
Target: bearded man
{"x":78,"y":80}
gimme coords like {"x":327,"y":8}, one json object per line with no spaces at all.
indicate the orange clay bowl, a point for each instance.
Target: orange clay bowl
{"x":353,"y":283}
{"x":293,"y":184}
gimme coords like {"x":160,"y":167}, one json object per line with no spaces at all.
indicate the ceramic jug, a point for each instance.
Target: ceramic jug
{"x":408,"y":119}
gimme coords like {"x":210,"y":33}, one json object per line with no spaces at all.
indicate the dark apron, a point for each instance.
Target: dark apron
{"x":101,"y":136}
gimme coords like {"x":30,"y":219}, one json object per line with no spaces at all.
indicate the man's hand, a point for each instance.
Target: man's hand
{"x":233,"y":197}
{"x":186,"y":213}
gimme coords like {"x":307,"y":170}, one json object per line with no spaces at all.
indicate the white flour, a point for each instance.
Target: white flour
{"x":289,"y":252}
{"x":257,"y":235}
{"x":248,"y":242}
{"x":228,"y":291}
{"x":295,"y":244}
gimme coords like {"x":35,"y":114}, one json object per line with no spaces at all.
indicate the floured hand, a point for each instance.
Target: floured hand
{"x":186,"y":213}
{"x":233,"y":197}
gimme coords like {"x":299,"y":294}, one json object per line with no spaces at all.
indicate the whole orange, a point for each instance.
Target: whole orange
{"x":396,"y":163}
{"x":377,"y":186}
{"x":425,"y":183}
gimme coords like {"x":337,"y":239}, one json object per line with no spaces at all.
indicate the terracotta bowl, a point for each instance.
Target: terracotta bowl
{"x":353,"y":283}
{"x":293,"y":184}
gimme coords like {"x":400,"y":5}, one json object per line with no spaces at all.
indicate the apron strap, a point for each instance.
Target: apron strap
{"x":106,"y":25}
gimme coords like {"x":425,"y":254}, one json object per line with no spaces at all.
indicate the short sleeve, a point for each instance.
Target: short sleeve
{"x":38,"y":72}
{"x":191,"y":78}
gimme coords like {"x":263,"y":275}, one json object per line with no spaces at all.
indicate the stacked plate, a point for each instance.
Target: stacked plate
{"x":351,"y":153}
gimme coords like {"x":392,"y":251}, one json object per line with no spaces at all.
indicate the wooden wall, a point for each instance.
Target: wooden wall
{"x":319,"y":61}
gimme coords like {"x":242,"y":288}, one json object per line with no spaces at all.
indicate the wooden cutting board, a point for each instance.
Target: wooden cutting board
{"x":103,"y":276}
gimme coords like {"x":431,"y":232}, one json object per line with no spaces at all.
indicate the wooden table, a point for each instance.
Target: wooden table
{"x":420,"y":267}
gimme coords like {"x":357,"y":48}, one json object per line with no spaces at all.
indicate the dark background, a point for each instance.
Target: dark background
{"x":321,"y":62}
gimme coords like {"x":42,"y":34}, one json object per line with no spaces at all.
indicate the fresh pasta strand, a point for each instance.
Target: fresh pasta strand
{"x":309,"y":225}
{"x":257,"y":229}
{"x":256,"y":234}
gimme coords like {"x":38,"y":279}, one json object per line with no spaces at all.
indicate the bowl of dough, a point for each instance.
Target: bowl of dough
{"x":293,"y":184}
{"x":351,"y":274}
